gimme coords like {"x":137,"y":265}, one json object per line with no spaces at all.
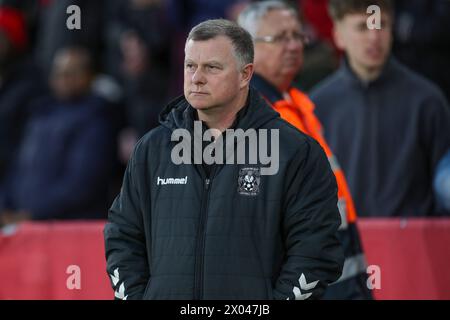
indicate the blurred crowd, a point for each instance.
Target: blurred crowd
{"x":73,"y":103}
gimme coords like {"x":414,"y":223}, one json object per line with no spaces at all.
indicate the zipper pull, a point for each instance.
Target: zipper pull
{"x":207,"y":181}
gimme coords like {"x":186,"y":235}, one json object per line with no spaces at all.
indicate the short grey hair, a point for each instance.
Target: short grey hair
{"x":240,"y":38}
{"x":252,"y":14}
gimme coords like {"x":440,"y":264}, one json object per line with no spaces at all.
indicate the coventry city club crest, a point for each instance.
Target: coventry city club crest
{"x":249,"y":181}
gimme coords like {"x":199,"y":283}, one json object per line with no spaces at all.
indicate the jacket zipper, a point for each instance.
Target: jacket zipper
{"x":200,"y":246}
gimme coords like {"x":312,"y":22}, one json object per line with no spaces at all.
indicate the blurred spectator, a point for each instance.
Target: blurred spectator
{"x":387,"y":125}
{"x":29,"y":10}
{"x":19,"y":83}
{"x":63,"y":167}
{"x":422,"y":38}
{"x":53,"y":34}
{"x":442,"y":183}
{"x":315,"y":12}
{"x":320,"y":54}
{"x":139,"y":38}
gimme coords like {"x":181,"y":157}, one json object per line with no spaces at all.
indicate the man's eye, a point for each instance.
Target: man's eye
{"x":384,"y":25}
{"x":362,"y":27}
{"x":189,"y":66}
{"x":212,"y":67}
{"x":279,"y":38}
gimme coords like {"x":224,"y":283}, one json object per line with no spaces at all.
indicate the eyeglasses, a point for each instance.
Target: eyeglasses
{"x":284,"y":38}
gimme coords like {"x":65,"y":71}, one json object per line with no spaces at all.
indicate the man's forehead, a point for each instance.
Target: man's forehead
{"x":279,"y":19}
{"x":221,"y":41}
{"x":218,"y":48}
{"x":359,"y":17}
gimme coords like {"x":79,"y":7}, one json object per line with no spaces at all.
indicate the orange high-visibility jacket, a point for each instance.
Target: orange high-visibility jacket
{"x":300,"y":113}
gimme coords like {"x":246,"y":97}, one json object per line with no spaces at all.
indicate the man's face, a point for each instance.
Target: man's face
{"x":212,"y":75}
{"x":365,"y":48}
{"x":282,"y":59}
{"x":69,"y":77}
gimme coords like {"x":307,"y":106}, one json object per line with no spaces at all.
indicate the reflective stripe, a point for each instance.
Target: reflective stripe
{"x":342,"y":206}
{"x":353,"y":266}
{"x":334,"y":164}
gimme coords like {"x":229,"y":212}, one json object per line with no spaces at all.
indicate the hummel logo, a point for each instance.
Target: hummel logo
{"x":304,"y":286}
{"x":164,"y":181}
{"x":120,"y":292}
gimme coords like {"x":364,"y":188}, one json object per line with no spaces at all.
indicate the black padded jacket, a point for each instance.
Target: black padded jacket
{"x":174,"y":232}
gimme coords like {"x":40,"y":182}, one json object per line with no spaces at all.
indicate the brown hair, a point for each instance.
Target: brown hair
{"x":339,"y":8}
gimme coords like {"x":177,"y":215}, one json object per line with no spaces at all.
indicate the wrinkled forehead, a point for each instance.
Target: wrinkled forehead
{"x":278,"y":20}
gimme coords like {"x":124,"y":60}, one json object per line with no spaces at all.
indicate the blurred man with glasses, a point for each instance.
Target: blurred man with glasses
{"x":279,"y":42}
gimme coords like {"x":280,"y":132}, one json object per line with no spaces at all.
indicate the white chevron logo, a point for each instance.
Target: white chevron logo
{"x":304,"y":286}
{"x":120,"y":293}
{"x":307,"y":286}
{"x":298,"y":294}
{"x":115,"y":276}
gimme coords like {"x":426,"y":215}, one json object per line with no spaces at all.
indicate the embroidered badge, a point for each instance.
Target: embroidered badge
{"x":249,"y":181}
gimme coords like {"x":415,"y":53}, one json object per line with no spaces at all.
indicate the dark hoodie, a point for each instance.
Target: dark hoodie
{"x":388,"y":135}
{"x":215,"y":238}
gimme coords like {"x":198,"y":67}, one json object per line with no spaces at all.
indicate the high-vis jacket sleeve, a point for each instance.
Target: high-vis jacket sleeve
{"x":125,"y":241}
{"x":314,"y":256}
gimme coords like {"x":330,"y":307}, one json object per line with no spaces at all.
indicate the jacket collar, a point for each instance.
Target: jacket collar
{"x":348,"y":74}
{"x":269,"y":91}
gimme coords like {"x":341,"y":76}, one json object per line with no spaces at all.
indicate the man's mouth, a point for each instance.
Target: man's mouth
{"x":374,"y":52}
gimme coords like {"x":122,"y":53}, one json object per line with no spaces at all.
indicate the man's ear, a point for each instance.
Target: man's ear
{"x":246,"y":74}
{"x":337,"y":35}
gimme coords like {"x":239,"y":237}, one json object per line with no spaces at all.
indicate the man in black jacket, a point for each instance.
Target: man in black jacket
{"x":219,"y":229}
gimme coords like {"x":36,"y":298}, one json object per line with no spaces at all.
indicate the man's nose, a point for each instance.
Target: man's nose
{"x":375,"y":35}
{"x":294,"y":44}
{"x":198,"y":77}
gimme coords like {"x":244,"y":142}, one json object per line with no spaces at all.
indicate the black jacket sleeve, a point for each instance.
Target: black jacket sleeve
{"x":314,"y":256}
{"x":125,"y":241}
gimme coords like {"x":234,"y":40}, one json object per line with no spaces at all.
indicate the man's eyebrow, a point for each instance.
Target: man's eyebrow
{"x":208,"y":62}
{"x":214,"y":62}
